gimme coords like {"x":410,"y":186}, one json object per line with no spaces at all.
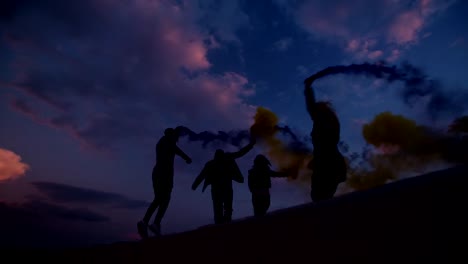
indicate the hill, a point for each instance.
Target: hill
{"x":418,"y":219}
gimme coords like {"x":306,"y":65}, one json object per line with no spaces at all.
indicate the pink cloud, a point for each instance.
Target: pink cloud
{"x":188,"y":52}
{"x":353,"y":45}
{"x":164,"y":68}
{"x":364,"y":49}
{"x":394,"y":55}
{"x":11,"y":166}
{"x":406,"y":27}
{"x":226,"y":95}
{"x":350,"y":24}
{"x":375,"y":54}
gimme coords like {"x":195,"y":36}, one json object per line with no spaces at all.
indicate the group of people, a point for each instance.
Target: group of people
{"x":219,"y":173}
{"x":328,"y":166}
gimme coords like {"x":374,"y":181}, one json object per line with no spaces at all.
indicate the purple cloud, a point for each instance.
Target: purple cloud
{"x":367,"y":29}
{"x":86,"y":68}
{"x":64,"y":193}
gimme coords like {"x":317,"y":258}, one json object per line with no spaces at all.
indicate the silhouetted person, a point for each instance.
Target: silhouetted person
{"x":219,"y":173}
{"x":328,"y":165}
{"x":259,"y":181}
{"x":163,"y":180}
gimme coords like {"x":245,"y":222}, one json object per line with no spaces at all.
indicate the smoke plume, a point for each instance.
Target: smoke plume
{"x":239,"y":137}
{"x":417,"y":85}
{"x":401,"y":145}
{"x":288,"y":158}
{"x":234,"y":138}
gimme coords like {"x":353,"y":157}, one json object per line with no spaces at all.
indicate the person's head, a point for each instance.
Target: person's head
{"x":219,"y":154}
{"x":261,"y":161}
{"x":171,"y":133}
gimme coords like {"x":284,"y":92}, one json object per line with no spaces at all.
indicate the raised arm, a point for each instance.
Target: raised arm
{"x":179,"y":152}
{"x":309,"y":96}
{"x":242,"y":151}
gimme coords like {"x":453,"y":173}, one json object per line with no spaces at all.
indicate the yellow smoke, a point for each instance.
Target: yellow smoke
{"x":400,"y":146}
{"x":388,"y":129}
{"x":287,"y":160}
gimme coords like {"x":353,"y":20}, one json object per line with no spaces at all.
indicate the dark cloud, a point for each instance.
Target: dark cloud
{"x":21,"y":106}
{"x":110,"y":76}
{"x":74,"y":214}
{"x":37,"y":223}
{"x":64,"y":193}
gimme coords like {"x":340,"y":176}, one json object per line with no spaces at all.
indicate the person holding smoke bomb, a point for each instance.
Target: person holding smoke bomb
{"x":328,"y":165}
{"x":219,"y":173}
{"x":259,"y":181}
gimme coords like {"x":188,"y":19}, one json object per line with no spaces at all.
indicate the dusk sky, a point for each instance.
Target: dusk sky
{"x":87,"y":88}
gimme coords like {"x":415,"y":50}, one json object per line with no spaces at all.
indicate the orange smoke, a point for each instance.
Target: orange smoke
{"x":286,"y":159}
{"x":400,"y":145}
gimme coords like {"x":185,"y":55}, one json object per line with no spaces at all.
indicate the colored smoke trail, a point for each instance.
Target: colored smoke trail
{"x":287,"y":158}
{"x":417,"y":85}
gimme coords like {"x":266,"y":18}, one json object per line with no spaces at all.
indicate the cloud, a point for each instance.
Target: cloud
{"x":11,"y":166}
{"x":375,"y":54}
{"x":42,"y":224}
{"x":367,"y":29}
{"x":81,"y":72}
{"x":63,"y":193}
{"x":73,"y":214}
{"x":283,"y":44}
{"x":223,"y":18}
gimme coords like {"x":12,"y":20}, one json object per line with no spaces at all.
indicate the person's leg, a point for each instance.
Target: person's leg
{"x":165,"y":198}
{"x":256,"y":204}
{"x":151,"y":209}
{"x":330,"y":190}
{"x":217,"y":206}
{"x":227,"y":201}
{"x":142,"y":225}
{"x":323,"y":187}
{"x":318,"y":188}
{"x":266,"y":204}
{"x":156,"y":200}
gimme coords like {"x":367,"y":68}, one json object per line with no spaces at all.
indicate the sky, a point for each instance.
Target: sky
{"x":87,"y":88}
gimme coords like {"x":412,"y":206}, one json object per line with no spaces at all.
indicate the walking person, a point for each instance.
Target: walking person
{"x":219,"y":173}
{"x":259,"y":181}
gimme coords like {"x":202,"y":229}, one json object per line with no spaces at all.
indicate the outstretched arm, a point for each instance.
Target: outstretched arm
{"x":179,"y":152}
{"x":199,"y":178}
{"x":242,"y":151}
{"x":278,"y":174}
{"x":309,"y":96}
